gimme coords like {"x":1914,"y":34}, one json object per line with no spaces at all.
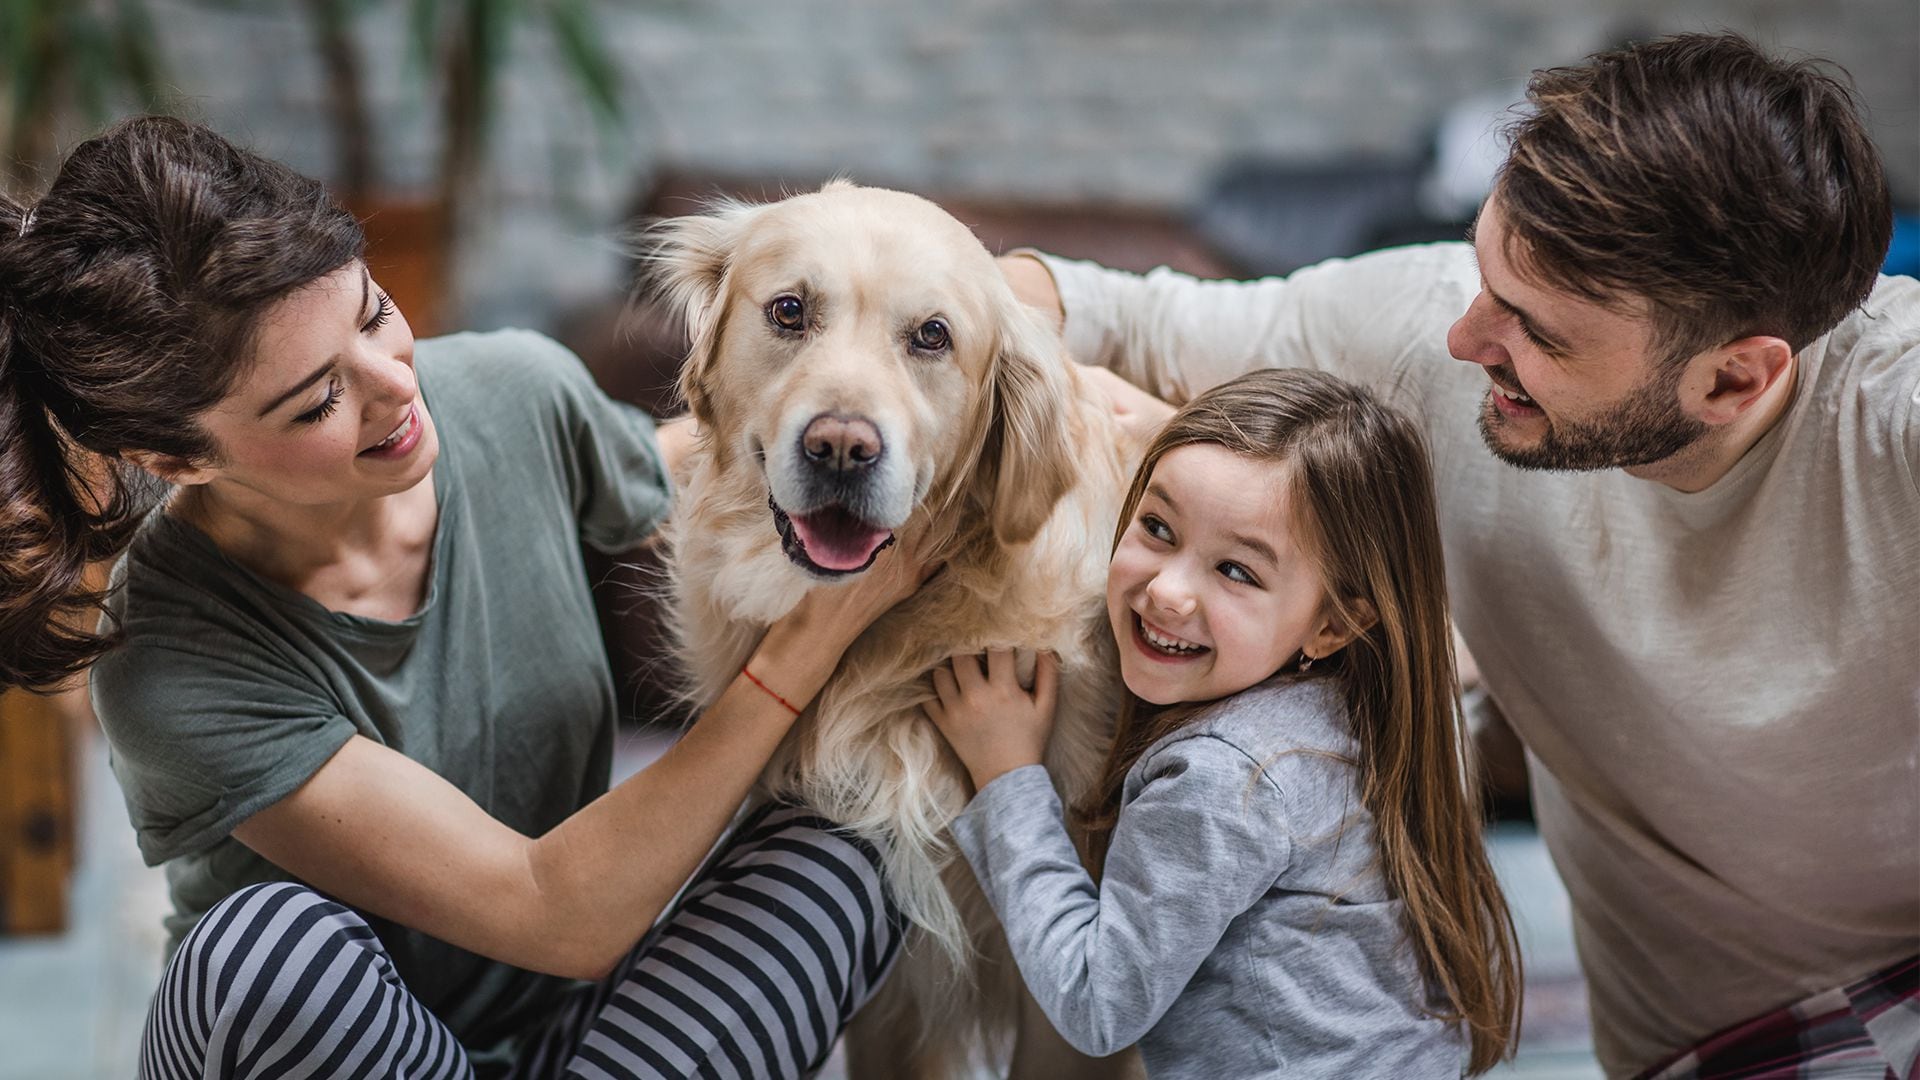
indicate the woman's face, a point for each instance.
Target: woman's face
{"x":329,"y":412}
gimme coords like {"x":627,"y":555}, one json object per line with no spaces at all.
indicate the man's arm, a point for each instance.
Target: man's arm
{"x":676,"y":437}
{"x":1032,"y":283}
{"x":1175,"y":335}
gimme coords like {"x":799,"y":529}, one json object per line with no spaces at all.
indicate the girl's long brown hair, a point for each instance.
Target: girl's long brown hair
{"x":1364,"y":506}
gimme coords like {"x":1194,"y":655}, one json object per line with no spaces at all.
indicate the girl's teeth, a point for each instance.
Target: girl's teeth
{"x":1167,"y":644}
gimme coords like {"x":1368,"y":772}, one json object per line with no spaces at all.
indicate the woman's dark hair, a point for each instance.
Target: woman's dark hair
{"x":1363,"y":507}
{"x":128,"y":299}
{"x":1731,"y":192}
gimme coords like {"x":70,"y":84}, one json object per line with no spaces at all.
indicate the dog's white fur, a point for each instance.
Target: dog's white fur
{"x":997,"y":450}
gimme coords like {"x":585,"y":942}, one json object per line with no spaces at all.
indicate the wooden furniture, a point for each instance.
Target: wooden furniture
{"x":37,"y":810}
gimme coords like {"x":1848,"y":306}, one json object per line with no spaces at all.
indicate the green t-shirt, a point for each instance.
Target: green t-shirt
{"x":231,"y":691}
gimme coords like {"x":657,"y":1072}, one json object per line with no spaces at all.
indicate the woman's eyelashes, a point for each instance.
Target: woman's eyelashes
{"x":381,"y":313}
{"x":325,"y":408}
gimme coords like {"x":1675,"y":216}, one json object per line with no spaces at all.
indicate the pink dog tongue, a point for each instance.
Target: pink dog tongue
{"x":836,"y":540}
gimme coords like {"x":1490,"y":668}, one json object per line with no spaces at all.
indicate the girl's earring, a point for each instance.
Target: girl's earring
{"x":1305,"y":661}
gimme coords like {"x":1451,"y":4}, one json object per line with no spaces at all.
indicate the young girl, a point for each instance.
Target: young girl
{"x":1290,"y":878}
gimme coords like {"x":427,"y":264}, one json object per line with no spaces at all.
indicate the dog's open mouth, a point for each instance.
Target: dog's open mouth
{"x":829,"y":540}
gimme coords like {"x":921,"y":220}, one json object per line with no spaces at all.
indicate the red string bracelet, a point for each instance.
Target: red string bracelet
{"x":769,"y":690}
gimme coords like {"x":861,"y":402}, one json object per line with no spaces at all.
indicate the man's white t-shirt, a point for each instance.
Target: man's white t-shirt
{"x":1719,"y":691}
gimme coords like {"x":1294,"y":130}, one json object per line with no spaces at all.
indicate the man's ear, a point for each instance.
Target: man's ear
{"x":174,"y":470}
{"x":1339,"y":627}
{"x":1737,"y":375}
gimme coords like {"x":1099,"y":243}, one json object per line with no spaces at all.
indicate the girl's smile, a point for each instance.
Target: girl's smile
{"x":1209,"y":592}
{"x":1162,"y":646}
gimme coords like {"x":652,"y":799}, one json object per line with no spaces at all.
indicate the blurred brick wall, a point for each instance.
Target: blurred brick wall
{"x":1131,"y":102}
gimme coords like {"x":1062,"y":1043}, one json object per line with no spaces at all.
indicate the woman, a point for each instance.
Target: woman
{"x":353,"y":683}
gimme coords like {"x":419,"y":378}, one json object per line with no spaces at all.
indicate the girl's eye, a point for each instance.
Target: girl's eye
{"x":1156,"y":528}
{"x":787,"y":313}
{"x":1233,"y":571}
{"x":932,"y":336}
{"x":380,"y":315}
{"x":325,"y":408}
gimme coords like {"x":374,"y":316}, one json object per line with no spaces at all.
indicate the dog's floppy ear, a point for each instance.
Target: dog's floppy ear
{"x":1029,"y":447}
{"x":686,"y":263}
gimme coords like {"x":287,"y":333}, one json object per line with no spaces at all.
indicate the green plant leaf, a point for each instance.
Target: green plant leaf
{"x":21,"y":23}
{"x":423,"y":34}
{"x":92,"y":53}
{"x":92,"y":65}
{"x":136,"y":45}
{"x":491,"y":34}
{"x":587,"y":61}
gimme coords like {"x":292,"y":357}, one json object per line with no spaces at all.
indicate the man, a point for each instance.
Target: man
{"x":1684,"y":540}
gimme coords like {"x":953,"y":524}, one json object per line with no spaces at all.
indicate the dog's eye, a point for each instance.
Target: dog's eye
{"x":787,"y":312}
{"x":931,"y":336}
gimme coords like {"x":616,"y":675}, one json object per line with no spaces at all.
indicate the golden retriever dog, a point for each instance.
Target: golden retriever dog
{"x":860,"y":371}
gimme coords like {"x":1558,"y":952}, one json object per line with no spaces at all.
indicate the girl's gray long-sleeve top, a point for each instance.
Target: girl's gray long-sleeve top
{"x":1241,"y":927}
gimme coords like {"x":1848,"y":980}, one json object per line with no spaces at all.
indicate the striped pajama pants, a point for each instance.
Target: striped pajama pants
{"x":767,"y":955}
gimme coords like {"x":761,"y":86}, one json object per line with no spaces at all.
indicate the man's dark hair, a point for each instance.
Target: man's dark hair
{"x":1731,"y":192}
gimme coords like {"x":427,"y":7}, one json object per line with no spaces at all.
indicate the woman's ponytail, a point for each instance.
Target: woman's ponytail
{"x":128,"y":295}
{"x":62,"y":510}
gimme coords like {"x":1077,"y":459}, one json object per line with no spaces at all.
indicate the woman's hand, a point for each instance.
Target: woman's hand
{"x":1138,"y":413}
{"x":991,"y":723}
{"x":803,"y":646}
{"x":842,"y":612}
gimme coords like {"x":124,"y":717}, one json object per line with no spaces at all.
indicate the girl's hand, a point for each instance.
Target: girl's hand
{"x":992,"y":724}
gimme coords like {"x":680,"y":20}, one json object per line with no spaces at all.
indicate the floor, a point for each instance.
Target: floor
{"x":71,"y":1005}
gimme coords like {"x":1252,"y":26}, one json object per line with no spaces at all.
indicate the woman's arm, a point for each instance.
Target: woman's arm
{"x":387,"y":835}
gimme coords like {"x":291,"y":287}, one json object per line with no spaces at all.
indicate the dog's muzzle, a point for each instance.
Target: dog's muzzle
{"x":830,"y":530}
{"x":837,"y":482}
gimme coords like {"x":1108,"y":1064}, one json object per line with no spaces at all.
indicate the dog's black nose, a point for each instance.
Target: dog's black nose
{"x":841,"y":443}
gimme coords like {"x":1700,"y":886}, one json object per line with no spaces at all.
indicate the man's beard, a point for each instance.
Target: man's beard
{"x":1648,"y":426}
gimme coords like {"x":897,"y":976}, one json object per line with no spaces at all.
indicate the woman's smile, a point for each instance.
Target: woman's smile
{"x":402,"y":440}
